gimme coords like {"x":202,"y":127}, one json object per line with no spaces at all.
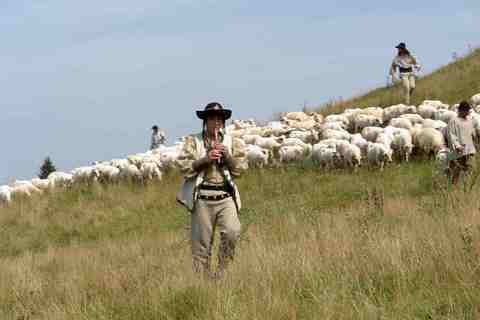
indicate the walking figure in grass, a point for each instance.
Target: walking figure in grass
{"x":406,"y":65}
{"x":209,"y":161}
{"x":460,"y":137}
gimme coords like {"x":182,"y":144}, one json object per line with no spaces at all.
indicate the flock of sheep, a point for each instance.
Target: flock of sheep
{"x":373,"y":135}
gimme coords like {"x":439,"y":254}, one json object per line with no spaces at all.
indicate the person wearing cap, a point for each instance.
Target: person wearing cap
{"x":461,"y":136}
{"x":209,"y":161}
{"x":406,"y":65}
{"x":158,"y":138}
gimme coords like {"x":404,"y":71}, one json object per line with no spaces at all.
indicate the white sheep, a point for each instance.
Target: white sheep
{"x":429,"y":140}
{"x":364,"y":120}
{"x":150,"y":171}
{"x":445,"y":115}
{"x":414,"y":118}
{"x":297,"y":142}
{"x":435,"y":124}
{"x":42,"y":184}
{"x":257,"y":156}
{"x":291,"y":154}
{"x":296,"y":116}
{"x":338,"y":118}
{"x":427,"y":111}
{"x":336,"y":134}
{"x":436,"y":103}
{"x":360,"y":142}
{"x":108,"y":173}
{"x":350,"y":154}
{"x":334,"y":125}
{"x":131,"y":173}
{"x":23,"y":188}
{"x":396,"y":111}
{"x":402,"y":143}
{"x":307,"y":136}
{"x":371,"y":133}
{"x":5,"y":194}
{"x":325,"y":155}
{"x":401,"y":123}
{"x":378,"y":154}
{"x":88,"y":175}
{"x":270,"y":143}
{"x":60,"y":179}
{"x":475,"y":100}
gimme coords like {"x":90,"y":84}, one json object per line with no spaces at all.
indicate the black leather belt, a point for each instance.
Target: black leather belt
{"x":215,"y":197}
{"x":213,"y":188}
{"x":405,"y":70}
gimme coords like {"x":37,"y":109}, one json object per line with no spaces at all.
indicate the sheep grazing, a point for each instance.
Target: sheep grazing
{"x":309,"y":136}
{"x":60,"y":179}
{"x":371,"y":133}
{"x":475,"y":100}
{"x":108,"y":173}
{"x":429,"y":141}
{"x":42,"y":184}
{"x":87,"y":175}
{"x":5,"y":194}
{"x":402,"y":143}
{"x":360,"y":142}
{"x":291,"y":154}
{"x":270,"y":143}
{"x":435,"y":124}
{"x":150,"y":171}
{"x":396,"y":111}
{"x":445,"y":115}
{"x":378,"y":155}
{"x":401,"y":123}
{"x":414,"y":118}
{"x":338,"y":118}
{"x":296,"y":116}
{"x":335,"y":134}
{"x":257,"y":156}
{"x":363,"y":120}
{"x":25,"y":188}
{"x":325,"y":155}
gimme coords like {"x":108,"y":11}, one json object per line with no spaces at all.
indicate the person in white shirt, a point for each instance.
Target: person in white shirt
{"x":406,"y":65}
{"x":461,"y":136}
{"x":158,"y":138}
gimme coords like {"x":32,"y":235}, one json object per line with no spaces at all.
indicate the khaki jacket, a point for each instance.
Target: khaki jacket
{"x":194,"y":149}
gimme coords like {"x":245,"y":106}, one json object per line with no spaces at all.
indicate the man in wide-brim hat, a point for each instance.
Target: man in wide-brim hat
{"x":406,"y":65}
{"x":209,"y":161}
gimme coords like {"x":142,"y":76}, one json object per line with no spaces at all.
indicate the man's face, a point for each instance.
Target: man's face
{"x":214,"y":122}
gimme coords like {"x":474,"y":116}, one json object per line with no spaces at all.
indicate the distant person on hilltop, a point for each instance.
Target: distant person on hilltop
{"x":208,"y":161}
{"x":461,"y":136}
{"x":406,"y":64}
{"x":158,"y":138}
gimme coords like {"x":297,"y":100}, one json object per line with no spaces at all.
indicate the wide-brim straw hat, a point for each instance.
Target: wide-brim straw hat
{"x":214,"y":108}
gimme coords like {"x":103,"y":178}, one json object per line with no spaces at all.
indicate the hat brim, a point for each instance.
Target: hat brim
{"x":224,"y":112}
{"x":401,"y":47}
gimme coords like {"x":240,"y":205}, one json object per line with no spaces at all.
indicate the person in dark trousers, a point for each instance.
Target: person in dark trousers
{"x":461,"y":136}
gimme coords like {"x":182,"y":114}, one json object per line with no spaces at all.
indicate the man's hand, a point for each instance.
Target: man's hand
{"x":214,"y":155}
{"x":460,"y":148}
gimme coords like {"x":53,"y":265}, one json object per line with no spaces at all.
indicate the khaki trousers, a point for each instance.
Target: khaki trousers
{"x":206,"y":217}
{"x":408,"y":82}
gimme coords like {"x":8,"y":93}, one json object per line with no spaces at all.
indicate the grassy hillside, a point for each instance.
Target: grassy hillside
{"x":456,"y":81}
{"x":330,"y":245}
{"x":397,"y":244}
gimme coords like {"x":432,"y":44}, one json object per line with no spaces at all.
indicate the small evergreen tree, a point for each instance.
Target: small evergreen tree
{"x":46,"y":168}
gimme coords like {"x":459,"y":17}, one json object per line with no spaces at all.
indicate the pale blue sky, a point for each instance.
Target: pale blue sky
{"x":85,"y":80}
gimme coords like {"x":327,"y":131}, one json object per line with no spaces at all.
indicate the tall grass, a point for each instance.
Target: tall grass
{"x":315,"y":245}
